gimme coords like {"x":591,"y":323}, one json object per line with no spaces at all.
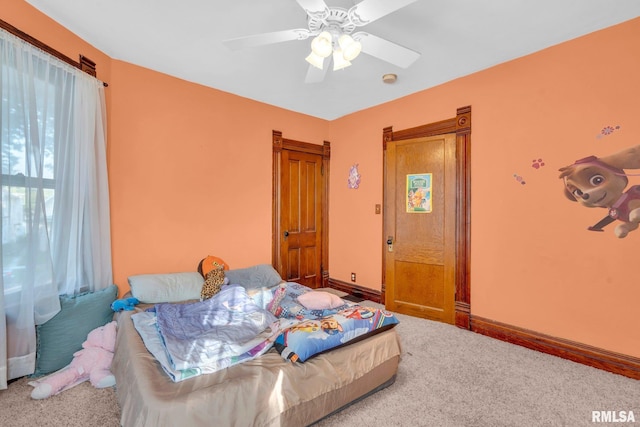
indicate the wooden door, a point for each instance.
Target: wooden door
{"x":300,"y":211}
{"x":301,"y":220}
{"x":420,"y":253}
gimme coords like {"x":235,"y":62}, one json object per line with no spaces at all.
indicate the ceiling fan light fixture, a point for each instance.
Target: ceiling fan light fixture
{"x":321,"y":45}
{"x":315,"y":60}
{"x":350,"y":47}
{"x":339,"y":62}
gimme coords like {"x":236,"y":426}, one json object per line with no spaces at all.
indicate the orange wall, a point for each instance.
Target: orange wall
{"x":190,"y":175}
{"x":533,"y":262}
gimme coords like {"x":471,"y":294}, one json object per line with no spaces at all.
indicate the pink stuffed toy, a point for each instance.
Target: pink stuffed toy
{"x":92,"y":363}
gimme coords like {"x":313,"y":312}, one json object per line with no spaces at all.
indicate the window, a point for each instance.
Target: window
{"x":55,"y":196}
{"x":25,"y":179}
{"x":55,"y":211}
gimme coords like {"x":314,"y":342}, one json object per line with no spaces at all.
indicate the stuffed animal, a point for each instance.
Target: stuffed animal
{"x":92,"y":363}
{"x":127,"y":304}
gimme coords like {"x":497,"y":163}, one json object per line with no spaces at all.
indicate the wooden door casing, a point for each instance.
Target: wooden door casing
{"x":300,"y":212}
{"x":460,"y":125}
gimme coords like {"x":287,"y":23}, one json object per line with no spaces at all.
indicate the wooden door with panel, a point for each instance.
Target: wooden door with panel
{"x":300,"y":250}
{"x":420,"y":262}
{"x":426,"y":255}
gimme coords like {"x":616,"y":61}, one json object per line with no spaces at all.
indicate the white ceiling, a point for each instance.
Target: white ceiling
{"x":455,"y":37}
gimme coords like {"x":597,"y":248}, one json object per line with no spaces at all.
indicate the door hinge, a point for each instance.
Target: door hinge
{"x":322,"y":169}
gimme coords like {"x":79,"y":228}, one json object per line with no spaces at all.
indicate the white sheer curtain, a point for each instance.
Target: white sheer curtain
{"x":55,"y":206}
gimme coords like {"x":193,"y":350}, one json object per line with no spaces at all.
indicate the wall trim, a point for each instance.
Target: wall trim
{"x":463,"y":315}
{"x":616,"y":363}
{"x":355,"y":290}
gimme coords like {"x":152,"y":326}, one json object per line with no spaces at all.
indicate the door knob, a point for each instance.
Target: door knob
{"x":286,"y":234}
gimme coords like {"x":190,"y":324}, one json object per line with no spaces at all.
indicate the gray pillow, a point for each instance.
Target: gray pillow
{"x":166,"y":287}
{"x":257,"y":276}
{"x":63,"y":334}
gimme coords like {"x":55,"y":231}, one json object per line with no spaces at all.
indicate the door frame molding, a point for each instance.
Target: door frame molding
{"x":460,"y":125}
{"x":279,"y":144}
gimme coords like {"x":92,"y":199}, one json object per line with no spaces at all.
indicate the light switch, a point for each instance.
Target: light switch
{"x":378,"y":207}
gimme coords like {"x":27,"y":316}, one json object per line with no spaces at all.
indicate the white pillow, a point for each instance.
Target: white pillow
{"x":168,"y":287}
{"x":320,"y":300}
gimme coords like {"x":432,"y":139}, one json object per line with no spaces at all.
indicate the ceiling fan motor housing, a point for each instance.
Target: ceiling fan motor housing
{"x":335,"y":20}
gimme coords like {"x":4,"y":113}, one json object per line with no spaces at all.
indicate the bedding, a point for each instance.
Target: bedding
{"x":227,"y":324}
{"x":265,"y":391}
{"x":203,"y":337}
{"x":184,"y":286}
{"x":258,"y":387}
{"x":256,"y":276}
{"x":290,"y":307}
{"x":325,"y":321}
{"x":320,"y":300}
{"x":311,"y":337}
{"x":145,"y":324}
{"x":166,"y":287}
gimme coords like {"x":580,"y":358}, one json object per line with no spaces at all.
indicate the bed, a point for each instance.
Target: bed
{"x":268,"y":390}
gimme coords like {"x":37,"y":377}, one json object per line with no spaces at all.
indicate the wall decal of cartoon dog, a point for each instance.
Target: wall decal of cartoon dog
{"x":597,"y":182}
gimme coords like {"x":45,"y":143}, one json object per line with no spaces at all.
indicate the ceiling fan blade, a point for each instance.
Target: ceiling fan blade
{"x":313,"y":6}
{"x":370,"y":10}
{"x":267,"y":38}
{"x":316,"y":75}
{"x":387,"y":51}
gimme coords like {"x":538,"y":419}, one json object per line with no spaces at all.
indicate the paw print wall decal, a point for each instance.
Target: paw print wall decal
{"x":519,"y":178}
{"x":537,"y":164}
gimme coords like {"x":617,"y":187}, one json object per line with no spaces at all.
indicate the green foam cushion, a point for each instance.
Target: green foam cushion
{"x":63,"y":335}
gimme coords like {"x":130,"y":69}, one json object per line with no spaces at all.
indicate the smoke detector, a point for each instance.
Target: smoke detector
{"x":389,"y":78}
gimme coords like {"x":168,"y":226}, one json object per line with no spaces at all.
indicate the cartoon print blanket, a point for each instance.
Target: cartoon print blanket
{"x":322,"y":330}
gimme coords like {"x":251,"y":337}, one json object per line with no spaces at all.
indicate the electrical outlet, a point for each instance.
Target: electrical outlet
{"x":353,"y":277}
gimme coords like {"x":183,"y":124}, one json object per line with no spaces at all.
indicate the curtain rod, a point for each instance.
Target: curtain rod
{"x":85,"y":64}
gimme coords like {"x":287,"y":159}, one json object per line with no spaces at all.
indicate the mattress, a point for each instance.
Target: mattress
{"x":266,"y":391}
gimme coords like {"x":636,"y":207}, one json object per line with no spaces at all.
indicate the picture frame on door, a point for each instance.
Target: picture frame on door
{"x":419,"y":193}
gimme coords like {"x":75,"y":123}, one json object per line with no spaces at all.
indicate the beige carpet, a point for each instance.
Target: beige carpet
{"x":447,"y":377}
{"x":80,"y":406}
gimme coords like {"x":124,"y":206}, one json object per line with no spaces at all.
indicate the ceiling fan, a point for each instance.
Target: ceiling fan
{"x":334,"y":38}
